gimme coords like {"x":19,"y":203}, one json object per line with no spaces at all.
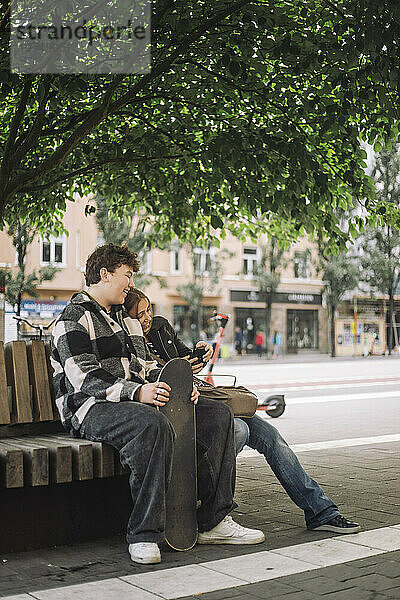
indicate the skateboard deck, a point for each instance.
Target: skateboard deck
{"x":181,"y":521}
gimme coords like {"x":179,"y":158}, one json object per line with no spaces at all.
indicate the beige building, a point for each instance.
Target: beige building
{"x":298,"y":313}
{"x":67,"y":252}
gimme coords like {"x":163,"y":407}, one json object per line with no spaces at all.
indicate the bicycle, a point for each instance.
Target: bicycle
{"x":38,"y":326}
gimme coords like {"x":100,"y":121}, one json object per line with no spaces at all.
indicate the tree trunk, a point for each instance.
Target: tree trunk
{"x":391,"y":307}
{"x":332,"y":331}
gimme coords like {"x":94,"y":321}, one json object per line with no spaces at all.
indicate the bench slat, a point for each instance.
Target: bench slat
{"x":82,"y":456}
{"x":103,"y":456}
{"x":50,"y":370}
{"x":42,"y":408}
{"x":60,"y":459}
{"x":4,"y":406}
{"x":18,"y":377}
{"x":36,"y":461}
{"x":11,"y":466}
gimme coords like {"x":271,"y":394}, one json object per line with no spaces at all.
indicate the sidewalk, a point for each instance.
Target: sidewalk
{"x":292,"y":564}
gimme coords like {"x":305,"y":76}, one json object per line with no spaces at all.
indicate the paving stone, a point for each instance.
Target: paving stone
{"x":355,"y":594}
{"x":222,"y":594}
{"x":374,"y":582}
{"x":20,"y":597}
{"x":345,"y":572}
{"x":324,"y":585}
{"x":389,"y":569}
{"x":296,"y":596}
{"x":392,"y":593}
{"x":269,"y":589}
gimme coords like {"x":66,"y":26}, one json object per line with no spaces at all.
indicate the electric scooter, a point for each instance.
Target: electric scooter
{"x":273,"y":405}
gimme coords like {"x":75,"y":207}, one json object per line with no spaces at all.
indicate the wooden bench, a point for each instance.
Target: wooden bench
{"x":54,"y":488}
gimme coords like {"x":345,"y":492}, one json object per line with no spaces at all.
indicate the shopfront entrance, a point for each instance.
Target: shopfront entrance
{"x":250,"y":320}
{"x":302,"y":330}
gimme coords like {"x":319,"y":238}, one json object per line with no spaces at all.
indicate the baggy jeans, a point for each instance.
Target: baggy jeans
{"x":145,"y":441}
{"x":306,"y":493}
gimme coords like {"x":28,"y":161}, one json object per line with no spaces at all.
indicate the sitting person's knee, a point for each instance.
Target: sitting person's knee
{"x":241,"y":435}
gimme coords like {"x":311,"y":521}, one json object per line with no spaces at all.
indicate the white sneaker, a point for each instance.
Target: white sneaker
{"x":145,"y":553}
{"x":229,"y":532}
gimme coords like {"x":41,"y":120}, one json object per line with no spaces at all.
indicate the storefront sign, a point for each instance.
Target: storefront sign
{"x":37,"y":307}
{"x":281,"y":297}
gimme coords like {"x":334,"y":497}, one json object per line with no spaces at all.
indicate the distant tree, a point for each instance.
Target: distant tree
{"x":340,"y":274}
{"x":129,"y":230}
{"x":266,"y":277}
{"x":208,"y":278}
{"x":381,"y":245}
{"x":19,"y":283}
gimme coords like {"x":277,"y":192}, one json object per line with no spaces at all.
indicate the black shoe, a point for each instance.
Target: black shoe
{"x":339,"y":524}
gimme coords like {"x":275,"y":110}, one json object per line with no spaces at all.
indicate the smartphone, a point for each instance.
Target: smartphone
{"x":199,"y":354}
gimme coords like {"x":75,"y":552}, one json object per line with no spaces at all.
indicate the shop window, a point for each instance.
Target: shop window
{"x":250,"y":261}
{"x":302,"y":265}
{"x":53,"y":251}
{"x":184,"y":327}
{"x":202,"y":261}
{"x":302,"y":329}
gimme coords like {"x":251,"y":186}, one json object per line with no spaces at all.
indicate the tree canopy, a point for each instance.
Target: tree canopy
{"x":250,"y":119}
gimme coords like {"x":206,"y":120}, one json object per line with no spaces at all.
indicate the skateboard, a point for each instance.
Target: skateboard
{"x":181,"y":521}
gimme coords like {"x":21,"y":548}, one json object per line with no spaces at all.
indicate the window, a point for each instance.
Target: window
{"x":144,"y":257}
{"x":302,"y":267}
{"x":53,"y":251}
{"x":250,"y":261}
{"x":176,"y":260}
{"x":202,"y":261}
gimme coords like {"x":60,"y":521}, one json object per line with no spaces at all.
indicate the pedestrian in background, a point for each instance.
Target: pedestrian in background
{"x":277,"y":342}
{"x":238,"y":341}
{"x":259,"y":341}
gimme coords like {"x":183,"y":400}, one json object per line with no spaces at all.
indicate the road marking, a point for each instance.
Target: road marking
{"x":332,"y":382}
{"x":283,"y":388}
{"x":340,"y":397}
{"x":329,"y":444}
{"x":178,"y":582}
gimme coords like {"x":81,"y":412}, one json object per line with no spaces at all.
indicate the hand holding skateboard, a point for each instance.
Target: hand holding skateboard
{"x":154,"y":393}
{"x":158,"y":393}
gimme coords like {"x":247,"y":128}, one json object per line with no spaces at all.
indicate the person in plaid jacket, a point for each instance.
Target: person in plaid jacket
{"x":106,"y":391}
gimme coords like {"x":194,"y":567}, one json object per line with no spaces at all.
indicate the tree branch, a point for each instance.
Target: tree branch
{"x":93,"y":166}
{"x":66,"y":148}
{"x":37,"y":125}
{"x":5,"y":167}
{"x":96,"y":116}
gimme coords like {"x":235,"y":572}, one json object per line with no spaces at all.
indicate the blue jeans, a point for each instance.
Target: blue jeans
{"x":145,"y":441}
{"x":300,"y":487}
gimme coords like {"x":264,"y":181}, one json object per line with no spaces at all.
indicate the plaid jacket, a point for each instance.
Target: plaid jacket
{"x":97,"y":357}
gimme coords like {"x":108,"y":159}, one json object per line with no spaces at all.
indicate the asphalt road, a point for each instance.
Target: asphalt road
{"x":331,"y":400}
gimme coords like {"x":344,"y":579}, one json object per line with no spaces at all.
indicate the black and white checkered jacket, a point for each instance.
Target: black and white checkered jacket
{"x":97,"y":357}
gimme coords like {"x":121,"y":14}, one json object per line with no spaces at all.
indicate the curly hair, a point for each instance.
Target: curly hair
{"x":109,"y":256}
{"x":133,"y":298}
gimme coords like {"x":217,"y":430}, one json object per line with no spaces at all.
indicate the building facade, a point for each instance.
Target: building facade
{"x":226,"y":276}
